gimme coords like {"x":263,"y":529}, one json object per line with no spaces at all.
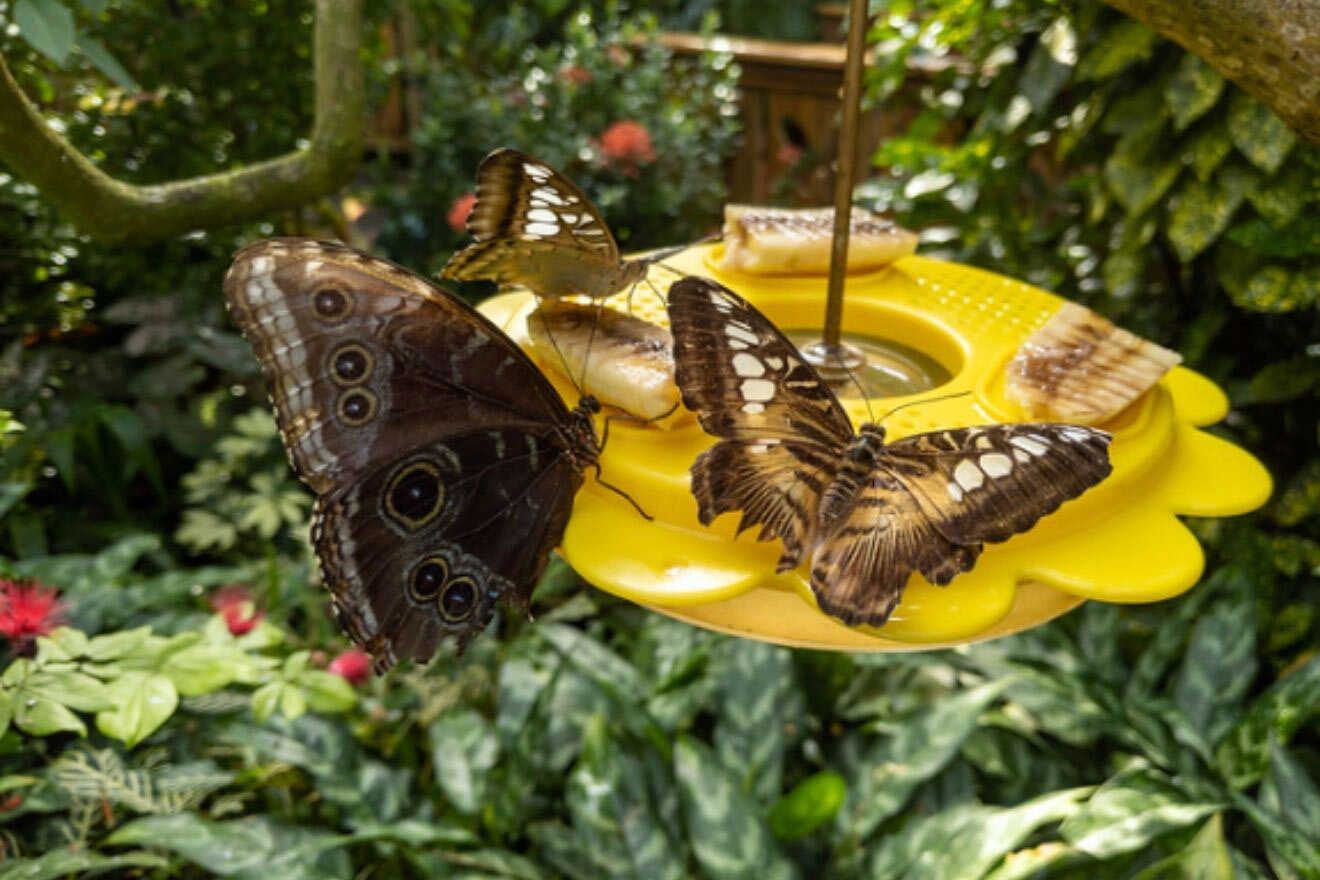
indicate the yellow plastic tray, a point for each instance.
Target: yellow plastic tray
{"x":1120,"y":542}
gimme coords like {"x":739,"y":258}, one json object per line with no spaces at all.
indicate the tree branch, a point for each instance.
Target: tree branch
{"x":113,"y":211}
{"x":1271,"y":48}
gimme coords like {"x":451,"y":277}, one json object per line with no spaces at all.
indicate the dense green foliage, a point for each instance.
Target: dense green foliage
{"x":179,"y":727}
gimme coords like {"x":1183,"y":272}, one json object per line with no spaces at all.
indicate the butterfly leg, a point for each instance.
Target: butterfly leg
{"x":616,"y":490}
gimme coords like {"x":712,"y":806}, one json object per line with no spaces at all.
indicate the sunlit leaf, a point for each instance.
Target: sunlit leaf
{"x":728,"y":837}
{"x":1206,"y":857}
{"x":463,"y":749}
{"x":758,"y":698}
{"x":42,"y":717}
{"x":1294,"y":851}
{"x":1218,"y":668}
{"x":1206,"y":149}
{"x":1123,"y":45}
{"x":71,"y":688}
{"x":1193,"y":89}
{"x":142,"y":702}
{"x":47,"y":25}
{"x":1137,"y":172}
{"x":65,"y":862}
{"x":1129,"y":811}
{"x":1200,"y":212}
{"x":812,"y":802}
{"x":1258,"y":134}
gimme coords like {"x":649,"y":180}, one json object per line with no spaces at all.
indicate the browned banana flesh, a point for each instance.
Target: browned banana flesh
{"x":781,"y":241}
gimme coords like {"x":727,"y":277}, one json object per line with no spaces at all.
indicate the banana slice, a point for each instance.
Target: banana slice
{"x":1081,"y":368}
{"x":769,"y":241}
{"x":630,"y":362}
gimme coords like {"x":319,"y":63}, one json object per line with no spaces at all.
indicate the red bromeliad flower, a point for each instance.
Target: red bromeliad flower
{"x":627,"y":144}
{"x":459,"y":211}
{"x":353,"y":666}
{"x":239,"y":610}
{"x":28,"y":610}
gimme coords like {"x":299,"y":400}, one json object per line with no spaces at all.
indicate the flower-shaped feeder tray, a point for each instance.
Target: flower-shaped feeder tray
{"x":1119,"y":542}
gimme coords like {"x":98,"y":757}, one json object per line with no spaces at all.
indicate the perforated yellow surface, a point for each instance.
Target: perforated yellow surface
{"x":1120,"y":542}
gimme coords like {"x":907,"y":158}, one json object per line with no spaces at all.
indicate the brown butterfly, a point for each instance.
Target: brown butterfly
{"x":868,"y":513}
{"x":444,"y":463}
{"x":534,"y":227}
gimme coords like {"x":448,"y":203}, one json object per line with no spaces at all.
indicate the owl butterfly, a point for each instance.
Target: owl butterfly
{"x":443,"y":462}
{"x":535,"y":228}
{"x":865,"y":512}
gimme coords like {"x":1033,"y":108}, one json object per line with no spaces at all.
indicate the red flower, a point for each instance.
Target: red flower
{"x":627,"y":144}
{"x":459,"y":211}
{"x":618,"y":55}
{"x":575,"y":75}
{"x":353,"y":666}
{"x":28,"y":610}
{"x":236,"y":605}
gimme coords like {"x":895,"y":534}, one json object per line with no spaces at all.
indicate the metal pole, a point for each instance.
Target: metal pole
{"x":846,"y":171}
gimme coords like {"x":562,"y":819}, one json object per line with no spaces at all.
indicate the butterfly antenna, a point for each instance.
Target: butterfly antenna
{"x":568,"y":371}
{"x":616,"y":490}
{"x":920,"y":402}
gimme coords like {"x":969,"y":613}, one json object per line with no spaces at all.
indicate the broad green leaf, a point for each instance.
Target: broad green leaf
{"x":142,"y":702}
{"x":293,"y":702}
{"x":758,"y":697}
{"x":1290,"y":793}
{"x":463,"y":749}
{"x":1257,"y":133}
{"x":1300,"y":238}
{"x":131,"y":433}
{"x":40,"y":716}
{"x":64,"y":862}
{"x":812,"y":802}
{"x":1269,"y":290}
{"x":1281,"y":381}
{"x":1037,"y":861}
{"x":7,"y":703}
{"x":965,"y":841}
{"x":1200,"y":212}
{"x":594,"y":660}
{"x":613,"y":814}
{"x":1297,"y":852}
{"x":201,"y":669}
{"x":1193,"y":89}
{"x":253,"y":847}
{"x":1206,"y":857}
{"x":1050,"y":66}
{"x":1207,"y":148}
{"x":11,"y":493}
{"x":917,"y":750}
{"x":1281,"y":198}
{"x":1137,"y":172}
{"x":95,"y":7}
{"x":728,"y":837}
{"x":1219,"y":667}
{"x":1129,"y":811}
{"x":47,"y":25}
{"x":266,"y":699}
{"x":204,"y":530}
{"x":71,"y":688}
{"x":1123,"y":45}
{"x":108,"y":64}
{"x":327,"y":692}
{"x":520,"y":685}
{"x":63,"y":643}
{"x":481,"y":864}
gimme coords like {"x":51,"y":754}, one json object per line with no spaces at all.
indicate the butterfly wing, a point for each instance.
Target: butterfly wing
{"x":436,"y":448}
{"x":534,"y":227}
{"x":990,"y":482}
{"x":859,"y":570}
{"x":783,"y":429}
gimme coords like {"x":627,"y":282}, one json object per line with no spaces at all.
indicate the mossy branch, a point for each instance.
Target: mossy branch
{"x":118,"y":212}
{"x":1270,"y":49}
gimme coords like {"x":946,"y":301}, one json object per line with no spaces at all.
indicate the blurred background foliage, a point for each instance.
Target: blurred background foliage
{"x":192,"y":717}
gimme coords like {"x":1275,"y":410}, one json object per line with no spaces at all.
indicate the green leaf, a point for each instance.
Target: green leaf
{"x":614,"y":815}
{"x":1123,"y":45}
{"x":1276,"y":289}
{"x":1206,"y":857}
{"x":1193,"y":89}
{"x":1036,"y":861}
{"x":812,"y":802}
{"x":131,"y":433}
{"x":222,"y":847}
{"x":71,"y":688}
{"x":728,"y":838}
{"x":327,"y":692}
{"x":1284,"y":380}
{"x":1284,"y":844}
{"x":103,"y":61}
{"x":1300,"y":238}
{"x":266,"y":699}
{"x":463,"y":750}
{"x":1218,"y":668}
{"x":964,"y":841}
{"x":758,"y":697}
{"x":113,"y":646}
{"x":1129,"y":811}
{"x":1199,"y":213}
{"x":64,"y":862}
{"x":1257,"y":133}
{"x":47,"y":25}
{"x":1290,"y":793}
{"x":42,"y":717}
{"x":595,"y":660}
{"x":142,"y":703}
{"x":63,"y":643}
{"x":1135,"y":172}
{"x":918,"y":749}
{"x":1207,"y":148}
{"x":11,"y":493}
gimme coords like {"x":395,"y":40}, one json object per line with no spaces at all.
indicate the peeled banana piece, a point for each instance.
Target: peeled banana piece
{"x":773,"y":241}
{"x":1081,"y":368}
{"x":629,"y":362}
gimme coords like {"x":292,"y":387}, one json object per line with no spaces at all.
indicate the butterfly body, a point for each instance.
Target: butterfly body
{"x":865,"y":513}
{"x":444,"y":463}
{"x":534,"y":227}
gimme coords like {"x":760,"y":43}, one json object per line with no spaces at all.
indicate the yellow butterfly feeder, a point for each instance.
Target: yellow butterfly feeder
{"x":964,"y":357}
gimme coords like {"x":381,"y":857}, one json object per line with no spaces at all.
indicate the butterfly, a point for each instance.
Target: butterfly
{"x":865,"y":512}
{"x":443,"y":461}
{"x":534,"y":227}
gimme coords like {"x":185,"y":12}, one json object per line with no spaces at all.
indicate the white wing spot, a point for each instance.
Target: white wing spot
{"x":968,"y":475}
{"x":735,"y":331}
{"x":569,"y":218}
{"x":311,"y":267}
{"x":540,"y":230}
{"x":261,"y":265}
{"x":1021,"y":456}
{"x":996,"y":464}
{"x":955,"y":492}
{"x":1075,"y":435}
{"x":756,"y":448}
{"x":775,"y":363}
{"x":1033,"y":443}
{"x":738,"y":344}
{"x":747,"y":365}
{"x":547,"y":195}
{"x":541,"y":215}
{"x":753,"y":409}
{"x":539,"y":173}
{"x":758,"y":390}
